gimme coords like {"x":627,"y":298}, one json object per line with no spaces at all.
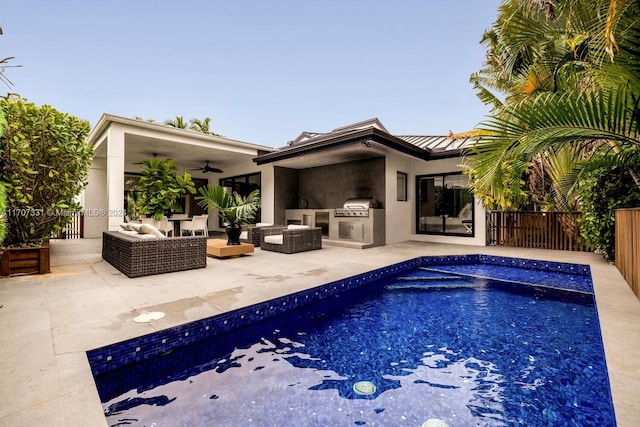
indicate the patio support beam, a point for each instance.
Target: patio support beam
{"x":115,"y":177}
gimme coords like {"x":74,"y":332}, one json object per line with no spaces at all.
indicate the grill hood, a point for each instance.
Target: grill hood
{"x":360,"y":203}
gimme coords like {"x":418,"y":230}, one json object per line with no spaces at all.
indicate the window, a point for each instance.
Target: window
{"x":444,"y":205}
{"x":402,"y":187}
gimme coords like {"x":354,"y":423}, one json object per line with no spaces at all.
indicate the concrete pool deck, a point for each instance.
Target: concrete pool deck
{"x":49,"y":321}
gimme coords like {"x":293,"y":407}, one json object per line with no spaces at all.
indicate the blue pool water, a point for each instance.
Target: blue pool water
{"x":459,"y":343}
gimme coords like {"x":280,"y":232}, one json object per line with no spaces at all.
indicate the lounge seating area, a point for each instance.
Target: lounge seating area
{"x":143,"y":250}
{"x":290,"y":239}
{"x":143,"y":256}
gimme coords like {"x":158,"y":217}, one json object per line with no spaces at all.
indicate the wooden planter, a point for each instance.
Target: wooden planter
{"x":25,"y":261}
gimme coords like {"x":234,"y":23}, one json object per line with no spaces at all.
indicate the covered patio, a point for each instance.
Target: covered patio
{"x":120,"y":144}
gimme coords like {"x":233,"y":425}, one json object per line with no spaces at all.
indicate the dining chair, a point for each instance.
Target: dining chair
{"x":197,"y":224}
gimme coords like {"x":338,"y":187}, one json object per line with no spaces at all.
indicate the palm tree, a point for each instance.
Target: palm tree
{"x":202,"y":126}
{"x":179,"y":122}
{"x":566,"y":91}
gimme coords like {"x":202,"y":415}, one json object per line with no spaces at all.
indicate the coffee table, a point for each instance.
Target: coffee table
{"x":218,"y":248}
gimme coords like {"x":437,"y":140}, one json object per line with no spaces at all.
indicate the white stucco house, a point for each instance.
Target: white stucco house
{"x":414,"y":182}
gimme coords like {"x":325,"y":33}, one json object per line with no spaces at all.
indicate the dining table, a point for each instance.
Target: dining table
{"x":176,"y":224}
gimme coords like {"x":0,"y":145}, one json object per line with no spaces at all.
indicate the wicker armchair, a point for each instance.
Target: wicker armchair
{"x":290,"y":239}
{"x":136,"y":257}
{"x":251,"y":233}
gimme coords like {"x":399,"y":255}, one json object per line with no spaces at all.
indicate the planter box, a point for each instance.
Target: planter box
{"x":25,"y":261}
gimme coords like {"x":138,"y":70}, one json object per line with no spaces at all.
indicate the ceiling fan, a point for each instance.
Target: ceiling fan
{"x":206,"y":168}
{"x":141,"y":162}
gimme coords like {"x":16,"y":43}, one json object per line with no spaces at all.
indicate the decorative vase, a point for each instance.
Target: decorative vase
{"x":233,"y":234}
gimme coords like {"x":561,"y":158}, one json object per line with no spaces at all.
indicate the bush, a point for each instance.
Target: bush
{"x":600,"y":193}
{"x":44,"y":164}
{"x":161,"y":187}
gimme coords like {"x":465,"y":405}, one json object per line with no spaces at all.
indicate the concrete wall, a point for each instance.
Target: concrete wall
{"x":285,"y":192}
{"x":398,"y":213}
{"x":95,"y":199}
{"x":329,"y":186}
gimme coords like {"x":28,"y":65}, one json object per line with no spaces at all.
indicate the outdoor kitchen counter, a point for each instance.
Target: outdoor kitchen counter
{"x":368,"y":229}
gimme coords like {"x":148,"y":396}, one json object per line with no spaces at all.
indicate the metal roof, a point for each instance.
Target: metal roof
{"x":436,"y":143}
{"x":421,"y":146}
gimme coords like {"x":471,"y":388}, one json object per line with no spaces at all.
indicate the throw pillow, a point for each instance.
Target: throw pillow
{"x":150,"y":229}
{"x":135,"y":226}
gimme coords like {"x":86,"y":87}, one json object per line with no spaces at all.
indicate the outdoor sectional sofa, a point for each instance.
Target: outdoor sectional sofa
{"x":135,"y":256}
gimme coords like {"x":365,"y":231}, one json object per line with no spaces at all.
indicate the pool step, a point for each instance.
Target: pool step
{"x":433,"y":285}
{"x":428,"y":278}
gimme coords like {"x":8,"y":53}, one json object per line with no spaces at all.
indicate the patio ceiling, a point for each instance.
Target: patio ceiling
{"x":189,"y":149}
{"x":139,"y":148}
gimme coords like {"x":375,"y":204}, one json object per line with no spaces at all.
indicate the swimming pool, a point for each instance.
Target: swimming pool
{"x":432,"y":338}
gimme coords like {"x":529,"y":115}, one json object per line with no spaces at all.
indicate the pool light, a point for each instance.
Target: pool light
{"x":365,"y":388}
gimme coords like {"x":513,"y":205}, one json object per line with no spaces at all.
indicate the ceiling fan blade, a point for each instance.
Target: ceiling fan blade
{"x":142,"y":161}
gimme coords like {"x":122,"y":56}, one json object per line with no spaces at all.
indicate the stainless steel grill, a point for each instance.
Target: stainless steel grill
{"x":355,"y":207}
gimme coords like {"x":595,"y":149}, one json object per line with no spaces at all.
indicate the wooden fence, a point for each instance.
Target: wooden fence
{"x":542,"y":230}
{"x":74,"y":230}
{"x":628,"y":246}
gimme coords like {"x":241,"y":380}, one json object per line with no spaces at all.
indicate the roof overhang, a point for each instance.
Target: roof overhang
{"x":190,"y":149}
{"x":368,"y":138}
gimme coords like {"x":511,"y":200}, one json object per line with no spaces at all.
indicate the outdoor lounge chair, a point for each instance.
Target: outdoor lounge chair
{"x":290,"y":239}
{"x":251,"y":233}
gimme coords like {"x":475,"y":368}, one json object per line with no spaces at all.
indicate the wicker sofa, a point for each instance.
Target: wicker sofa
{"x":290,"y":239}
{"x":137,"y":257}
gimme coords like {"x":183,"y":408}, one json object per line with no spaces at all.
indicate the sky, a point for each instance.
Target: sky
{"x":263,"y":71}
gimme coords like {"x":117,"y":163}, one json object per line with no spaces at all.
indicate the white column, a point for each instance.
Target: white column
{"x":115,"y":177}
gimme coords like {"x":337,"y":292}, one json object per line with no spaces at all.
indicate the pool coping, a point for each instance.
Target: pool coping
{"x":114,"y":356}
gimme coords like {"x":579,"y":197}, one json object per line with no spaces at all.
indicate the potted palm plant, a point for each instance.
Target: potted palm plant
{"x":233,"y":209}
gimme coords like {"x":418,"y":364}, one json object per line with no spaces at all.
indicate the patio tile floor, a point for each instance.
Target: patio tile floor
{"x":47,"y":322}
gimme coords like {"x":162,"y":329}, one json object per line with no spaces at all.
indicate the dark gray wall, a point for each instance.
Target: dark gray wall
{"x":286,"y":192}
{"x":328,"y":186}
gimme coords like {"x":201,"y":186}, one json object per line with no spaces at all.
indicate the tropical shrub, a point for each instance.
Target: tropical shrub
{"x":3,"y":209}
{"x":44,"y":164}
{"x":3,"y":191}
{"x":600,"y":193}
{"x":161,"y":187}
